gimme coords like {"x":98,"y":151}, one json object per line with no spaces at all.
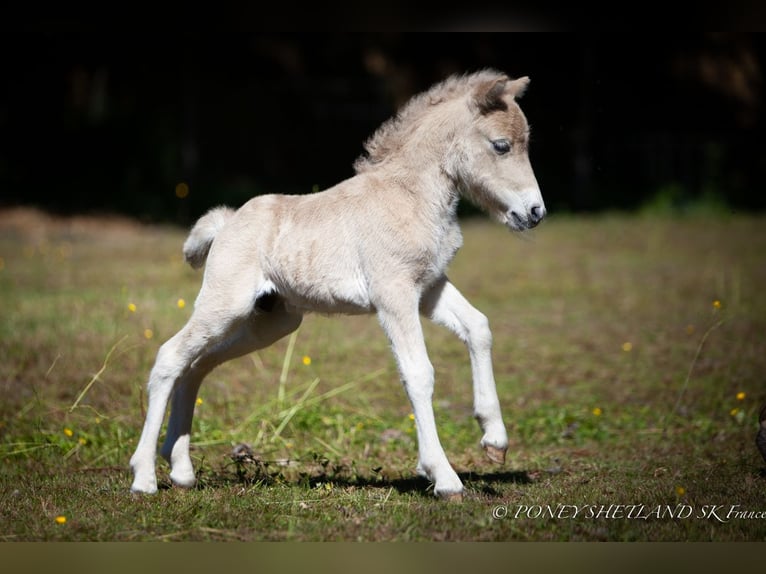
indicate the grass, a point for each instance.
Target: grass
{"x":622,"y":381}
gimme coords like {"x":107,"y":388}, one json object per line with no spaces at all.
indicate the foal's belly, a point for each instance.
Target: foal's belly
{"x":348,"y":296}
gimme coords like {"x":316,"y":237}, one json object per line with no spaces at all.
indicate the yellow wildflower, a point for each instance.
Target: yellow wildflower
{"x":181,"y":303}
{"x":148,"y":333}
{"x":597,"y":412}
{"x":306,"y":360}
{"x":61,"y":520}
{"x":68,"y":432}
{"x":741,"y":396}
{"x":411,"y":416}
{"x":733,"y":412}
{"x":717,"y":304}
{"x":132,"y":307}
{"x":199,"y":401}
{"x":627,"y":346}
{"x":680,"y":490}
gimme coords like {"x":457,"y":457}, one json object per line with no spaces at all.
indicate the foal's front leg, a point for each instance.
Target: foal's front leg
{"x":445,"y":305}
{"x":401,"y":322}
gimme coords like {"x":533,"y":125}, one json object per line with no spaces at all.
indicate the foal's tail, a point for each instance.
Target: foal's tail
{"x":202,"y":234}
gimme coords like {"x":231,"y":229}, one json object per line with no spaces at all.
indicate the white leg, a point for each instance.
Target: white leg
{"x":168,"y":368}
{"x":402,"y":325}
{"x":182,"y":363}
{"x":445,"y":305}
{"x":175,"y":449}
{"x":259,"y":332}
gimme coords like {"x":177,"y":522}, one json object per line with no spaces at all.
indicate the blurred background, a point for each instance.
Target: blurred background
{"x":163,"y":126}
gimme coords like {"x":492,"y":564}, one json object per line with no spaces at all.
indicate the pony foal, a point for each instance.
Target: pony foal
{"x":378,"y":242}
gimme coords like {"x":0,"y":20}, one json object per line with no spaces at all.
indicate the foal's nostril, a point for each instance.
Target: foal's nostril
{"x":536,"y":214}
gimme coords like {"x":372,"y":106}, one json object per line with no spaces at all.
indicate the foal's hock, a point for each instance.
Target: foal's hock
{"x":378,"y":242}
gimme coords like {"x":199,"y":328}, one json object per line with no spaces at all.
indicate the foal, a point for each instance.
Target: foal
{"x":379,"y":242}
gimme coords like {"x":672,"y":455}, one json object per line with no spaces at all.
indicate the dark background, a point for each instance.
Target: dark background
{"x":97,"y":121}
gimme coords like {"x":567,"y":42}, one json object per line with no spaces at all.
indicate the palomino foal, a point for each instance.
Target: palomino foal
{"x":379,"y":242}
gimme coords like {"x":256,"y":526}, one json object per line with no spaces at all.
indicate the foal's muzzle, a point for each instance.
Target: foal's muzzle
{"x":527,"y":220}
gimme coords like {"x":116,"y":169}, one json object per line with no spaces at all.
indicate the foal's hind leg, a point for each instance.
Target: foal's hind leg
{"x":173,"y":361}
{"x":182,"y":363}
{"x":257,"y":332}
{"x":446,"y":306}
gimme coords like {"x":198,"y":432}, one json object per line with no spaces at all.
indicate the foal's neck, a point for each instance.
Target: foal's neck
{"x":429,"y":189}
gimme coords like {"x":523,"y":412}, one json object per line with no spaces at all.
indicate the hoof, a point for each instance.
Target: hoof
{"x":451,"y":496}
{"x":143,"y":488}
{"x":495,"y":454}
{"x":183,"y":481}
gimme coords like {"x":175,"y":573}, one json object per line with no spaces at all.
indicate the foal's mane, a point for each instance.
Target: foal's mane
{"x":394,"y":131}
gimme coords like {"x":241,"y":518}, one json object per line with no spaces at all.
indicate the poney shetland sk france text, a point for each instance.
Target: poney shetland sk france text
{"x":722,"y":513}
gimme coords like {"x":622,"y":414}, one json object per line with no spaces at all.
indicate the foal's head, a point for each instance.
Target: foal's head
{"x":489,"y":160}
{"x":473,"y":127}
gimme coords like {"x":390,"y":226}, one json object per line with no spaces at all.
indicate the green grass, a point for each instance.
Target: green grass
{"x":618,"y":377}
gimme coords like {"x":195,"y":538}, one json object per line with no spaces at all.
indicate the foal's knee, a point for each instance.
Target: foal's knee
{"x":419,"y":382}
{"x":479,"y":333}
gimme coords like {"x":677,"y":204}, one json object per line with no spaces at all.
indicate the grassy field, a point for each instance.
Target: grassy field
{"x":629,"y":354}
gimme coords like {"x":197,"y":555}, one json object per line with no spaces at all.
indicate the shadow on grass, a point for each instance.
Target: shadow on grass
{"x":485,"y":483}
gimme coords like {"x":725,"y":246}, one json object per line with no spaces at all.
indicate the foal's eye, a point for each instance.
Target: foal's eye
{"x":501,"y":146}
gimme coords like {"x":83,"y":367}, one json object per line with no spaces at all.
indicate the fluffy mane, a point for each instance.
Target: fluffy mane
{"x":390,"y":135}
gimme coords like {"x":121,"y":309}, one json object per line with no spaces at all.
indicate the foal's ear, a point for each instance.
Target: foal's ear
{"x":518,"y":86}
{"x":489,"y":96}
